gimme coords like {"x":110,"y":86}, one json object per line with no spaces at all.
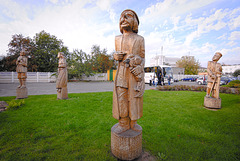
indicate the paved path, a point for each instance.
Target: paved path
{"x":9,"y":89}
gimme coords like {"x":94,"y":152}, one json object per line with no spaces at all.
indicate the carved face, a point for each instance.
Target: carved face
{"x":216,"y":57}
{"x":22,"y":53}
{"x":127,"y":20}
{"x":59,"y":55}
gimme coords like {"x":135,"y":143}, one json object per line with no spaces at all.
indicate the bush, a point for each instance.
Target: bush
{"x":234,"y":84}
{"x":14,"y":104}
{"x":225,"y":89}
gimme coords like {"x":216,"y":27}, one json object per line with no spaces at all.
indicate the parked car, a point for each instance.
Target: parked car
{"x":175,"y":80}
{"x":189,"y":79}
{"x":224,"y":80}
{"x":201,"y":81}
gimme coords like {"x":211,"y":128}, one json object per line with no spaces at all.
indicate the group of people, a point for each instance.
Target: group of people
{"x":155,"y":81}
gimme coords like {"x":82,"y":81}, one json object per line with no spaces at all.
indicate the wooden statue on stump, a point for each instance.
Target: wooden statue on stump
{"x":62,"y":79}
{"x":126,"y":135}
{"x":214,"y":69}
{"x":22,"y":91}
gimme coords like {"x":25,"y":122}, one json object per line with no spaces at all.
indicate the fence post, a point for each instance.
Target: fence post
{"x":12,"y":77}
{"x":48,"y":77}
{"x":37,"y":76}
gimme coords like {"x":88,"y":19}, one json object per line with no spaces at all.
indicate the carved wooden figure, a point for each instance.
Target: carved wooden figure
{"x":214,"y":70}
{"x":21,"y":69}
{"x":62,"y":79}
{"x":126,"y":137}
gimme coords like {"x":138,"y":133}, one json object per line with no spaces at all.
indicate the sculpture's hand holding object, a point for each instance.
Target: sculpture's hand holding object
{"x":118,"y":55}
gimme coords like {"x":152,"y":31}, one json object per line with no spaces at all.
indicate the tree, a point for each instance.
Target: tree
{"x":190,"y":64}
{"x":79,"y":65}
{"x":236,"y":73}
{"x":101,"y":61}
{"x":17,"y":43}
{"x":46,"y":50}
{"x":41,"y":51}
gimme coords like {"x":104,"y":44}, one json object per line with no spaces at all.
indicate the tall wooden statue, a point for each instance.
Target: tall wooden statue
{"x":214,"y":70}
{"x":22,"y":91}
{"x":62,"y":79}
{"x":126,"y":135}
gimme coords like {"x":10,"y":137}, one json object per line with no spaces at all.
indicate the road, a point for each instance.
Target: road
{"x":9,"y":89}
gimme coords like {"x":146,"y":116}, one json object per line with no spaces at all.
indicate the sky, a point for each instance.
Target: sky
{"x":196,"y":28}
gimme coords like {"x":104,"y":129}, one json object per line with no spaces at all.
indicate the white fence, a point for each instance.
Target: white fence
{"x":96,"y":77}
{"x":11,"y":77}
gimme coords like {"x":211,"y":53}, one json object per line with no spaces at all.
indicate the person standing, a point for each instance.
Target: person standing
{"x":169,"y":80}
{"x":150,"y":80}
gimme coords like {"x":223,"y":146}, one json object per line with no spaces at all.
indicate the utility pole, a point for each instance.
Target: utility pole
{"x":162,"y":55}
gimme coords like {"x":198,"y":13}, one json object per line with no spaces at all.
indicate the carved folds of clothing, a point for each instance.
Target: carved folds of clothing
{"x":21,"y":67}
{"x":62,"y":74}
{"x":127,"y":101}
{"x":21,"y":64}
{"x":214,"y":69}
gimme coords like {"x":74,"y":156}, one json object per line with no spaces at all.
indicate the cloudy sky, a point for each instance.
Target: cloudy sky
{"x":183,"y":27}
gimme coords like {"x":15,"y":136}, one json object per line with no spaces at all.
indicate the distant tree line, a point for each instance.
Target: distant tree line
{"x":42,"y":51}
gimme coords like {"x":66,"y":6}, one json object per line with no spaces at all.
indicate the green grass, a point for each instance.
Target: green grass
{"x":175,"y":127}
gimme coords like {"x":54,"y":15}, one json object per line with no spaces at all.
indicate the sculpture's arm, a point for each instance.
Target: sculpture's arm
{"x":18,"y":60}
{"x":24,"y":62}
{"x":219,"y":71}
{"x":209,"y":71}
{"x":140,"y":68}
{"x":62,"y":63}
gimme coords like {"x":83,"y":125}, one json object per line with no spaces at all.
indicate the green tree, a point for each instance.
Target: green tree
{"x":236,"y":73}
{"x":190,"y":64}
{"x":46,"y":50}
{"x":101,"y":61}
{"x":17,"y":43}
{"x":41,"y":51}
{"x":79,"y":65}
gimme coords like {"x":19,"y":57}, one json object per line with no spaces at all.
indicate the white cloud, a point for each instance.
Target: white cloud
{"x":234,"y":19}
{"x":231,"y":43}
{"x":13,"y":10}
{"x":235,"y":35}
{"x":175,"y":21}
{"x":205,"y":25}
{"x":77,"y":26}
{"x":222,"y":37}
{"x":53,"y":1}
{"x":169,"y":8}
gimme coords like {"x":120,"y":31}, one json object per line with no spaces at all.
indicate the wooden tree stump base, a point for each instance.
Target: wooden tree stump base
{"x":212,"y":103}
{"x":126,"y":145}
{"x":22,"y":93}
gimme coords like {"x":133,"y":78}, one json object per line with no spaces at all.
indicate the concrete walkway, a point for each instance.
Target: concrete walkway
{"x":9,"y":89}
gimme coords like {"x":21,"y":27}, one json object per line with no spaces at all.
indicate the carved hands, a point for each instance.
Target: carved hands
{"x":119,"y":55}
{"x":136,"y":71}
{"x":213,"y":76}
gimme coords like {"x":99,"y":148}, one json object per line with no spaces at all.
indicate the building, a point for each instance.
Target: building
{"x":159,"y":60}
{"x":230,"y":69}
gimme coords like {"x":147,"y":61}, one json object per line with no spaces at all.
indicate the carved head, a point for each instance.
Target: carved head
{"x":217,"y":56}
{"x":23,"y":52}
{"x":129,"y":21}
{"x":60,"y":55}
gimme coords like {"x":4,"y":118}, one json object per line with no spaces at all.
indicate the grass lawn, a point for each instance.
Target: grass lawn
{"x":175,"y":127}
